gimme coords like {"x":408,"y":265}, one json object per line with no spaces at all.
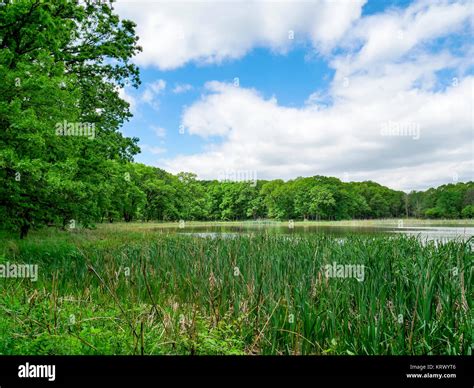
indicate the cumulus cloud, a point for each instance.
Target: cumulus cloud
{"x":386,"y":77}
{"x":173,"y":33}
{"x":386,"y":38}
{"x":159,"y":131}
{"x":152,"y":91}
{"x":153,"y":149}
{"x":278,"y":141}
{"x":182,"y":88}
{"x":128,"y":98}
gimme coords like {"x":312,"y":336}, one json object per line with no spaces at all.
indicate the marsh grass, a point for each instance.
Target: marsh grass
{"x":125,"y":292}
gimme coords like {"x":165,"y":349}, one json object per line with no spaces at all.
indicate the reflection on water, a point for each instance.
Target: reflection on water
{"x":438,"y":233}
{"x":425,"y":233}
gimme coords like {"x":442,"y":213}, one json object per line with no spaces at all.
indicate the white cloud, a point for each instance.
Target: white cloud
{"x":153,"y":149}
{"x":129,"y":98}
{"x":389,"y":36}
{"x":284,"y":142}
{"x":152,"y":91}
{"x":159,"y":131}
{"x":173,"y":33}
{"x":158,"y":86}
{"x":182,"y":88}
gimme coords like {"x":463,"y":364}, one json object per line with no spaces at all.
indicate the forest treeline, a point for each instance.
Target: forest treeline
{"x":139,"y":192}
{"x":63,"y":159}
{"x":136,"y":192}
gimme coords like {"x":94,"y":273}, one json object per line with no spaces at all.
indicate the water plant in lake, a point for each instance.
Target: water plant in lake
{"x":149,"y":293}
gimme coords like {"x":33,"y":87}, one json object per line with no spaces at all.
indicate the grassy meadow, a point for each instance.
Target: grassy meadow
{"x":123,"y":289}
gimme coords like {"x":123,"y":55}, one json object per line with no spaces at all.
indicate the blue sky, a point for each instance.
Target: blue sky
{"x":237,"y":93}
{"x":290,"y":78}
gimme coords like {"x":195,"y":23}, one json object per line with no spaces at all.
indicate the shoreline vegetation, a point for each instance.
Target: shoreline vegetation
{"x":132,"y":291}
{"x":135,"y":192}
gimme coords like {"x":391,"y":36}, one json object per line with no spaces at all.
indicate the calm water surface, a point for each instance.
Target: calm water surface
{"x":425,"y":232}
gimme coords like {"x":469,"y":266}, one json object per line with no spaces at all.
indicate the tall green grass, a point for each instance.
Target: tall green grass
{"x":261,"y":294}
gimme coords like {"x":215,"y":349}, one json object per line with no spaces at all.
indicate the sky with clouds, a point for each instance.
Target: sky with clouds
{"x":359,"y":90}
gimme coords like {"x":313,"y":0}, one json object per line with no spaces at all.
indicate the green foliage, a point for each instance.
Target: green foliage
{"x":61,"y":65}
{"x":468,"y":211}
{"x":182,"y":295}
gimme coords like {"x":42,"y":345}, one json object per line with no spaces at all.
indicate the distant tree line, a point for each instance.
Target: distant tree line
{"x":136,"y":192}
{"x":127,"y":191}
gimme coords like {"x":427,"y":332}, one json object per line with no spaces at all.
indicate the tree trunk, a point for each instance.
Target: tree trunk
{"x":25,"y":227}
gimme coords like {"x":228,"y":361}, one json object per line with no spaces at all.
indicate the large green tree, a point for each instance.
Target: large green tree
{"x":61,"y":67}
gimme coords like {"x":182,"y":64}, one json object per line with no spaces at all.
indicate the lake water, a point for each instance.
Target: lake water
{"x":425,"y":232}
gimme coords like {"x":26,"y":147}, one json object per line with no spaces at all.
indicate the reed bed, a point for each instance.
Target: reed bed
{"x":152,"y":293}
